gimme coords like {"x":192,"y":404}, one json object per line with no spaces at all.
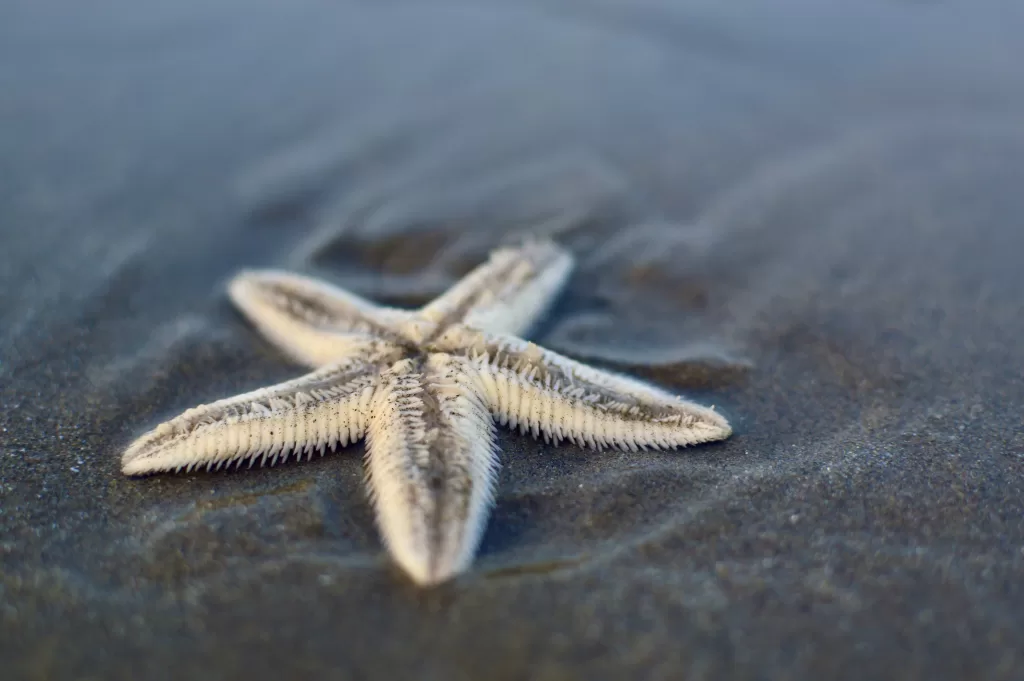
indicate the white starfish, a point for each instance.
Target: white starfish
{"x":425,"y":388}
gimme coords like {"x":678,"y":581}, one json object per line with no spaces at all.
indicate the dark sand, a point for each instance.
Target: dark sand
{"x":809,"y":214}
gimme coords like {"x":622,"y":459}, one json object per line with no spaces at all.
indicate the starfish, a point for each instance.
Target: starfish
{"x":425,"y":388}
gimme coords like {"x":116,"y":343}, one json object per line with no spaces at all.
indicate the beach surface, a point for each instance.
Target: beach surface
{"x":808,"y":214}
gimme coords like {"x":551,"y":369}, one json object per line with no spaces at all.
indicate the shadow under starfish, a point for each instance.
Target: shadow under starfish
{"x":425,"y":388}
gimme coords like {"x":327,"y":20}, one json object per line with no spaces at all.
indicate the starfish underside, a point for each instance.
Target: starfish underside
{"x":425,"y":388}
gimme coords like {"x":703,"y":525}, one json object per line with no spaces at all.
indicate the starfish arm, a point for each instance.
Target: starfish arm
{"x":311,"y":321}
{"x":322,"y":409}
{"x":546,"y":393}
{"x":431,"y":463}
{"x":508,"y":292}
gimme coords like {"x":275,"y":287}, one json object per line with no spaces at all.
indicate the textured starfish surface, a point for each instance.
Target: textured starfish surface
{"x":425,"y":388}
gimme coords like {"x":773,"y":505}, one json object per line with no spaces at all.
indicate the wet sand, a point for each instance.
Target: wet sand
{"x":808,"y":215}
